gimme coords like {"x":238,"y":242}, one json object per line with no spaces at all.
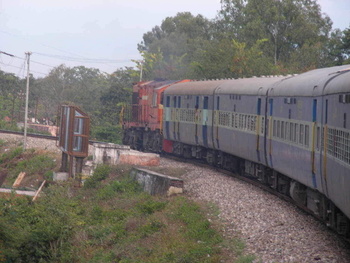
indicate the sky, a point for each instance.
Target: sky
{"x":99,"y":34}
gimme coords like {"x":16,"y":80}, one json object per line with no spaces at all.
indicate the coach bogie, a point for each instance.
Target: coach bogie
{"x":178,"y":148}
{"x":298,"y":192}
{"x":343,"y":225}
{"x":211,"y":157}
{"x":197,"y":152}
{"x":283,"y":184}
{"x":146,"y":140}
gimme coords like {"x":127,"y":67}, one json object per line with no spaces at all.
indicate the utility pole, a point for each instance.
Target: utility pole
{"x":27,"y":98}
{"x":141,"y":64}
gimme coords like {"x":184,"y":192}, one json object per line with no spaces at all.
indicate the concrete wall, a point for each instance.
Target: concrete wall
{"x":109,"y":153}
{"x":157,"y":184}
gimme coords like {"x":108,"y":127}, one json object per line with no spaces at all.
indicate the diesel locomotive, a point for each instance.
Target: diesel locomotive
{"x":289,"y":132}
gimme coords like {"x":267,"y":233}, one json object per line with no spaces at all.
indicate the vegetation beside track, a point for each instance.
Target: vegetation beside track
{"x":108,"y":220}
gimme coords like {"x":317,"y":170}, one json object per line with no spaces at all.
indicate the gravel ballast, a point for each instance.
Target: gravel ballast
{"x":273,"y":230}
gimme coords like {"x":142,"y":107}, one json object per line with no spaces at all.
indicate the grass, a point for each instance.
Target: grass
{"x":110,"y":219}
{"x":36,"y":164}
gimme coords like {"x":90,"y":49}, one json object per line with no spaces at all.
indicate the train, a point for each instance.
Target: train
{"x":291,"y":133}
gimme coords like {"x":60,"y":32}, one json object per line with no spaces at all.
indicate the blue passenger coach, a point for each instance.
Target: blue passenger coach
{"x":289,"y":132}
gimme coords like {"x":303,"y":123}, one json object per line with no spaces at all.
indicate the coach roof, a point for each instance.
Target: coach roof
{"x":312,"y":83}
{"x":194,"y":87}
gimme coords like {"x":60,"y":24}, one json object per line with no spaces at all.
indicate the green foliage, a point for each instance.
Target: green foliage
{"x":198,"y":227}
{"x":48,"y":175}
{"x":11,"y":154}
{"x":101,"y":173}
{"x":150,"y":206}
{"x":107,"y":133}
{"x":115,"y":222}
{"x":37,"y":164}
{"x":124,"y":186}
{"x":10,"y":126}
{"x":42,"y":229}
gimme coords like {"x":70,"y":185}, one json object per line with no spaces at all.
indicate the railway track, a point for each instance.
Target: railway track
{"x":256,"y":183}
{"x":34,"y":135}
{"x":40,"y":136}
{"x":274,"y":230}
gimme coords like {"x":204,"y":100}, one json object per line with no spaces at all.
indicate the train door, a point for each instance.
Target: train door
{"x":196,"y":118}
{"x":178,"y":117}
{"x":323,"y":144}
{"x":269,"y":129}
{"x":214,"y":140}
{"x":260,"y":124}
{"x":167,"y":117}
{"x":313,"y":142}
{"x":205,"y":120}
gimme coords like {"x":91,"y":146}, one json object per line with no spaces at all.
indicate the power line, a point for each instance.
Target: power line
{"x":2,"y":52}
{"x":86,"y":60}
{"x":32,"y":71}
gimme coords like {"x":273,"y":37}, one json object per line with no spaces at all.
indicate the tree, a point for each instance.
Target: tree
{"x":11,"y":96}
{"x":288,"y":25}
{"x":346,"y":45}
{"x":80,"y":86}
{"x":117,"y":95}
{"x":168,"y":49}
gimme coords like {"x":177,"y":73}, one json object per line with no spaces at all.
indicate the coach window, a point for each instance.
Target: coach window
{"x":206,"y":103}
{"x":174,"y":101}
{"x":162,"y":98}
{"x":179,"y":102}
{"x":291,"y":132}
{"x":347,"y":147}
{"x":218,"y":103}
{"x":301,"y":134}
{"x":167,"y":101}
{"x":326,"y":117}
{"x":197,"y":102}
{"x":307,"y":135}
{"x":263,"y":126}
{"x":154,"y":99}
{"x":318,"y":136}
{"x":236,"y":120}
{"x":271,"y":106}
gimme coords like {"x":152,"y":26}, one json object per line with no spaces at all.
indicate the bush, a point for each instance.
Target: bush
{"x":107,"y":133}
{"x":101,"y":173}
{"x":10,"y":126}
{"x":13,"y":153}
